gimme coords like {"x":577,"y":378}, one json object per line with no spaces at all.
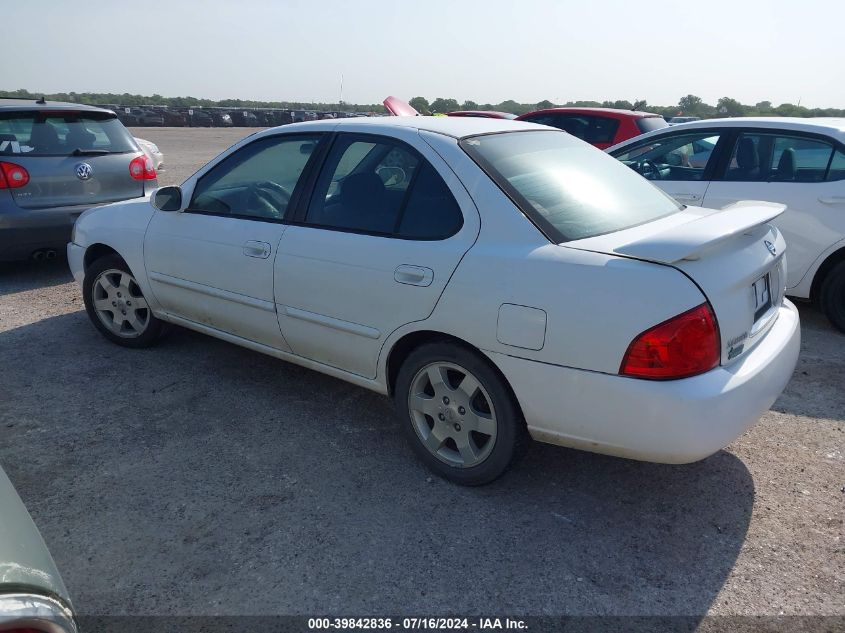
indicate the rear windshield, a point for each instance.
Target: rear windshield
{"x":62,"y":133}
{"x":569,"y":189}
{"x":651,"y":123}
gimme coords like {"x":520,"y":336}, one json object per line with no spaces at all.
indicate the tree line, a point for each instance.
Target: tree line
{"x":689,"y":105}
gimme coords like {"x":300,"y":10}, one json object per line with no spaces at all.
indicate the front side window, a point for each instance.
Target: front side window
{"x":671,"y":157}
{"x":569,"y":190}
{"x":257,"y":181}
{"x":766,"y":157}
{"x":384,"y":188}
{"x":62,"y":134}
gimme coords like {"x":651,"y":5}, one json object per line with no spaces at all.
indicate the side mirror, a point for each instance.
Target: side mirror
{"x":167,"y":199}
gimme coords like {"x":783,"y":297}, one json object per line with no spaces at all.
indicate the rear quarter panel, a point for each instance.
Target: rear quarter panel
{"x":595,"y":303}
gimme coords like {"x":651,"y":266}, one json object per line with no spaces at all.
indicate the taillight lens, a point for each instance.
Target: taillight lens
{"x":141,"y":168}
{"x":683,"y":346}
{"x":12,"y":176}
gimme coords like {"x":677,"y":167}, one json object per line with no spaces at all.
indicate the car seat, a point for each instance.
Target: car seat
{"x":786,"y":166}
{"x":747,"y":160}
{"x":79,"y":138}
{"x":44,"y":138}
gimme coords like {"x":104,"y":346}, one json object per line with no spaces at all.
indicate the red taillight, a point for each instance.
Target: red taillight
{"x":141,"y":168}
{"x":683,"y":346}
{"x":12,"y":176}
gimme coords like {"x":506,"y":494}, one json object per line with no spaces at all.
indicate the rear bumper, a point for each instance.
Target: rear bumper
{"x":24,"y":231}
{"x":673,"y":422}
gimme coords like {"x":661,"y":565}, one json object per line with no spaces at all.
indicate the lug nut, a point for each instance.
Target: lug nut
{"x":119,"y":295}
{"x":441,"y":416}
{"x":114,"y":303}
{"x":461,"y":410}
{"x":457,"y":426}
{"x":129,"y":303}
{"x":445,"y":400}
{"x":123,"y":311}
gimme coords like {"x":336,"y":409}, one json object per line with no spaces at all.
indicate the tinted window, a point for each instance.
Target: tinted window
{"x":571,"y":191}
{"x":257,"y":181}
{"x":651,"y":123}
{"x":385,"y":188}
{"x":837,"y":166}
{"x":60,"y":134}
{"x":672,"y":156}
{"x":430,"y":212}
{"x":760,"y":157}
{"x":363,"y":186}
{"x":593,"y":129}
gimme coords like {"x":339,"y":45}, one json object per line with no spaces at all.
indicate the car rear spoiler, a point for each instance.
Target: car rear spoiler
{"x":689,"y":240}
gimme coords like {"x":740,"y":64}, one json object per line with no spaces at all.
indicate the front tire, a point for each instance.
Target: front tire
{"x":833,"y":296}
{"x":458,"y":413}
{"x":116,"y":306}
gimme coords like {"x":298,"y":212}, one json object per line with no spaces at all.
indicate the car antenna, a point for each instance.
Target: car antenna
{"x":41,"y":101}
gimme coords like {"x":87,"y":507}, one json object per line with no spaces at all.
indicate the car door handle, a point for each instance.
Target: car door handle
{"x":253,"y":248}
{"x":832,"y":200}
{"x":685,"y":196}
{"x":413,"y":275}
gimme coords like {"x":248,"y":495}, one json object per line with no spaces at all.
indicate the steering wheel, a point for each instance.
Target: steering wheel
{"x":268,"y":198}
{"x":647,"y":168}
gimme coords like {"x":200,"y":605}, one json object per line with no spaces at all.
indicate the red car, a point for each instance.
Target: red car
{"x":601,"y":127}
{"x":487,"y":114}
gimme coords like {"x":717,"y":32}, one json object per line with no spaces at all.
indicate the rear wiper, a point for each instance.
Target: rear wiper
{"x":90,"y":152}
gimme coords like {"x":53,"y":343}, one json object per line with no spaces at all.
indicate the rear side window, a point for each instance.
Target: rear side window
{"x":837,"y":166}
{"x":593,"y":129}
{"x":569,"y":190}
{"x":760,"y":157}
{"x":671,"y":156}
{"x":62,"y":134}
{"x":651,"y":123}
{"x":383,"y":188}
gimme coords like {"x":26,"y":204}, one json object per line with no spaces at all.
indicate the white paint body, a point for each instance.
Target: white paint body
{"x":556,"y":320}
{"x":153,"y":153}
{"x":814,"y":222}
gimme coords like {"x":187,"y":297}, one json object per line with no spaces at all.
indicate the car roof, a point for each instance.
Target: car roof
{"x":17,"y":105}
{"x":455,"y":126}
{"x":829,"y":126}
{"x":634,"y":114}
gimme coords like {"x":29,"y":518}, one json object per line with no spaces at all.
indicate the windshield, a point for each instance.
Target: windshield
{"x":569,"y":189}
{"x":62,"y":134}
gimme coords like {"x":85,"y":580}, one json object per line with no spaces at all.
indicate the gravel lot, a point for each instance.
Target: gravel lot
{"x":202,"y":478}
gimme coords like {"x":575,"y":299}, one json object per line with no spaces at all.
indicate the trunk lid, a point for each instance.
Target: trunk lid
{"x":398,"y":107}
{"x":733,"y":255}
{"x":73,"y":157}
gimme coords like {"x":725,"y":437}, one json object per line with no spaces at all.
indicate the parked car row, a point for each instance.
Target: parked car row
{"x":158,"y":116}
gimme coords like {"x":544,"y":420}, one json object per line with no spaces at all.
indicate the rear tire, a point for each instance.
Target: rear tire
{"x":833,"y":296}
{"x":458,"y":413}
{"x":117,"y":306}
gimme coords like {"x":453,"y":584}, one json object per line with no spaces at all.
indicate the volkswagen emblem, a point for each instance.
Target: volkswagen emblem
{"x":771,"y":247}
{"x":83,"y":171}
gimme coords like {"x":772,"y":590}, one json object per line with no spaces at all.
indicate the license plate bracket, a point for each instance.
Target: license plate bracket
{"x":762,"y":290}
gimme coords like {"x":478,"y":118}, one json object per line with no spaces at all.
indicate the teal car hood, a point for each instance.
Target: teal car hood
{"x":25,"y":562}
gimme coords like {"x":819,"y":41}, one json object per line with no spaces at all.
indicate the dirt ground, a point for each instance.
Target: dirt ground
{"x":201,"y":478}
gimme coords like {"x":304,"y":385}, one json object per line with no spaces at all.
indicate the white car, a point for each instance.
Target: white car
{"x":153,"y":153}
{"x":491,"y":276}
{"x":677,"y":120}
{"x":799,"y":163}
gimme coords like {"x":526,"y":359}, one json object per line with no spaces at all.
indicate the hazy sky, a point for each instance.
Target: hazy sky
{"x":484,"y":50}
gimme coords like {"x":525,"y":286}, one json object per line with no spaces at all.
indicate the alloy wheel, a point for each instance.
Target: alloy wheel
{"x":119,"y":303}
{"x":452,"y":414}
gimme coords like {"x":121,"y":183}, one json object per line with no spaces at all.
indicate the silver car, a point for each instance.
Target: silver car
{"x":56,"y":161}
{"x":32,"y":594}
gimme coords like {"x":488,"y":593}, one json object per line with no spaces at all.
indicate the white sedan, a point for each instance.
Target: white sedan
{"x":796,"y":162}
{"x":493,"y":277}
{"x":153,"y":153}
